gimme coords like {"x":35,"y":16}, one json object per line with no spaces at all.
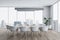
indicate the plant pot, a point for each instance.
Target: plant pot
{"x":45,"y":28}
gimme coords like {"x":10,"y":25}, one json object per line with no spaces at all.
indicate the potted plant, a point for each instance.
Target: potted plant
{"x":47,"y":23}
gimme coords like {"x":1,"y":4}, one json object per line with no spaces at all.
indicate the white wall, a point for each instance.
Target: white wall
{"x":46,"y":11}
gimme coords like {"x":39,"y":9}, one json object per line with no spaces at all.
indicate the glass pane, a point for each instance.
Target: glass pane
{"x":29,"y":16}
{"x":4,"y":14}
{"x":39,"y":17}
{"x":12,"y":16}
{"x":55,"y":11}
{"x":21,"y":16}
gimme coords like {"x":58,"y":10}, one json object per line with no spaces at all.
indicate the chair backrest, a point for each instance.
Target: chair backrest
{"x":17,"y":23}
{"x":11,"y":28}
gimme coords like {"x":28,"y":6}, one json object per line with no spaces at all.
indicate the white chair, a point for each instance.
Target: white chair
{"x":11,"y":28}
{"x":17,"y":26}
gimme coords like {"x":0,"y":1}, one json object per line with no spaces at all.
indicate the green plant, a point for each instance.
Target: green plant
{"x":47,"y":21}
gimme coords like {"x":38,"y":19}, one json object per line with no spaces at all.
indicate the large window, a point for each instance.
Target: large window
{"x":39,"y":16}
{"x":4,"y":14}
{"x":12,"y":15}
{"x":55,"y":11}
{"x":30,"y":16}
{"x":21,"y":16}
{"x":9,"y":15}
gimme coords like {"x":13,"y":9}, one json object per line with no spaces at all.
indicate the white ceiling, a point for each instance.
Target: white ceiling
{"x":27,"y":3}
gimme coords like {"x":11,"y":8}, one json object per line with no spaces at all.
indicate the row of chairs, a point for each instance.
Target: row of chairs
{"x":25,"y":28}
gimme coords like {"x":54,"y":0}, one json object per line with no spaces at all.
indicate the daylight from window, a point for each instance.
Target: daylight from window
{"x":9,"y":15}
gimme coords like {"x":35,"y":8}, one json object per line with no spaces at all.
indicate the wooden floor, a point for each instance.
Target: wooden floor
{"x":50,"y":35}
